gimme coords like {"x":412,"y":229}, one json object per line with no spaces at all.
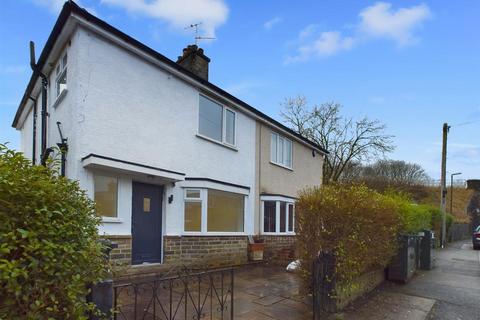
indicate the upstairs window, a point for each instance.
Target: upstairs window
{"x":61,"y":75}
{"x":281,"y":150}
{"x":216,"y":122}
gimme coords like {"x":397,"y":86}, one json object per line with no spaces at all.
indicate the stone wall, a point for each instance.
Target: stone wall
{"x":122,"y":255}
{"x":279,"y":248}
{"x":205,"y":250}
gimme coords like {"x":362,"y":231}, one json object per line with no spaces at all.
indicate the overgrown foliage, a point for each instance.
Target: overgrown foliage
{"x":360,"y":225}
{"x":346,"y":139}
{"x":357,"y":223}
{"x":48,"y":243}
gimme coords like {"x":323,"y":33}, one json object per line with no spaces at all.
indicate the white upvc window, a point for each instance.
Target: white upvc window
{"x":209,"y":211}
{"x":217,"y":122}
{"x":278,"y":215}
{"x":281,"y":150}
{"x":61,"y":75}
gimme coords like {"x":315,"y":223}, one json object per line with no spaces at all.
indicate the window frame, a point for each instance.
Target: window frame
{"x":278,"y":200}
{"x":224,"y":124}
{"x":59,"y":74}
{"x":204,"y":213}
{"x":200,"y":199}
{"x":285,"y":140}
{"x":108,"y":218}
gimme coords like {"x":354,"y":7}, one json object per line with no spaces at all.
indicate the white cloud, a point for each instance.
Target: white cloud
{"x":56,"y":5}
{"x":244,"y":87}
{"x":180,"y":13}
{"x":326,"y":44}
{"x":376,"y":21}
{"x":272,"y":22}
{"x":53,"y":5}
{"x":380,"y":20}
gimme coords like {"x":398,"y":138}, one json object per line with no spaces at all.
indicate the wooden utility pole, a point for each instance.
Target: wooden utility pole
{"x":443,"y":184}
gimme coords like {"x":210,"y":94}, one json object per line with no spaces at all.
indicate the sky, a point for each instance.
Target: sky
{"x":412,"y":65}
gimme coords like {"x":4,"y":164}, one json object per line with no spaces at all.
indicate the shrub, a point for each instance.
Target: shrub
{"x":358,"y":224}
{"x":417,"y":217}
{"x":48,"y":243}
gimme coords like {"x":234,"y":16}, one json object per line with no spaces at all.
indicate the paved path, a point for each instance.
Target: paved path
{"x":450,"y":291}
{"x":454,"y":283}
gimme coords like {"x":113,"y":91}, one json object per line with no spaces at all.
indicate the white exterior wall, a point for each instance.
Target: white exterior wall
{"x":26,"y":135}
{"x":128,"y":109}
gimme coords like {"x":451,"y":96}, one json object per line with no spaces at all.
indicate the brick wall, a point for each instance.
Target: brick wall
{"x":123,"y":253}
{"x":279,"y":248}
{"x":205,"y":250}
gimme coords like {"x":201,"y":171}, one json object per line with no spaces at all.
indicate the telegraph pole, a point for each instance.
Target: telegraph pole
{"x":443,"y":184}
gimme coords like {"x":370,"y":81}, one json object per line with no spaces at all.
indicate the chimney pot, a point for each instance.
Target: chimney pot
{"x":195,"y":61}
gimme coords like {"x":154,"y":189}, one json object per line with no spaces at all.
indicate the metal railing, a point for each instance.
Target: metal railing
{"x":188,"y":295}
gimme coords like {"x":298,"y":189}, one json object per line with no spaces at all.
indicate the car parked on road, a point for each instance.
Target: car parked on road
{"x":476,"y":238}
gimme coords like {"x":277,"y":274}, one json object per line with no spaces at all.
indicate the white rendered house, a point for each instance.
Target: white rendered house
{"x":180,"y":169}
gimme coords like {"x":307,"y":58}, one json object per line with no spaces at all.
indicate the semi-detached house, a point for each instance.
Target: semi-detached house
{"x":180,"y":169}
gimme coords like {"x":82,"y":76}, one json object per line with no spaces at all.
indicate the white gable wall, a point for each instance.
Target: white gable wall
{"x":132,"y":110}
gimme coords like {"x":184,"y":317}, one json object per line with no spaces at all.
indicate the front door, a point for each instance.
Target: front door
{"x":146,"y":223}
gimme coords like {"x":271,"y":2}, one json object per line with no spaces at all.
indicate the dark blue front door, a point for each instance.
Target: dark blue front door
{"x":146,"y":223}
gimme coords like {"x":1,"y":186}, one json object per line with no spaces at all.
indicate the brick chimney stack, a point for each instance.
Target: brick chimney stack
{"x":195,"y":61}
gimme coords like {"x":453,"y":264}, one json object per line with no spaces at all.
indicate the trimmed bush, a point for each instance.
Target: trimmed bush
{"x":48,"y":243}
{"x":358,"y":224}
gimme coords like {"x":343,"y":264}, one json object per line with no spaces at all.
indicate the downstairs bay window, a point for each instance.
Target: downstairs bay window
{"x":278,"y":215}
{"x":213,"y":211}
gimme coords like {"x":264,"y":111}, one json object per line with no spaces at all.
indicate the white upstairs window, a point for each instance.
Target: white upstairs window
{"x":216,"y":121}
{"x":280,"y":150}
{"x":61,"y":75}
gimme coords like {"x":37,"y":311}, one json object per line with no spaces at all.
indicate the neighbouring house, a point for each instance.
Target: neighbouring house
{"x":180,"y":169}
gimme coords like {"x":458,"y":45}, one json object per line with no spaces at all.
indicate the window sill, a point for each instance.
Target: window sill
{"x":278,"y":233}
{"x":281,"y":166}
{"x":217,"y":142}
{"x":111,"y":220}
{"x":213,"y":234}
{"x":60,"y":98}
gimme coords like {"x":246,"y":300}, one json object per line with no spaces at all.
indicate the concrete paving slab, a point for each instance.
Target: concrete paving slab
{"x":391,"y":306}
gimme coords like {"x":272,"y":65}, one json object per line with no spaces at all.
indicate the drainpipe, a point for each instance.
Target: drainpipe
{"x":34,"y":138}
{"x":63,"y":146}
{"x":44,"y":113}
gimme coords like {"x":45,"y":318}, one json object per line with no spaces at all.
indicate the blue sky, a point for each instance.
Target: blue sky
{"x":413,"y":65}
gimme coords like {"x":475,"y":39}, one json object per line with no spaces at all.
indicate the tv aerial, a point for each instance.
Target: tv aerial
{"x":197,"y":37}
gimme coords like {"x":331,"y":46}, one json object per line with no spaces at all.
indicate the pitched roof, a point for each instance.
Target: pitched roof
{"x":71,"y":7}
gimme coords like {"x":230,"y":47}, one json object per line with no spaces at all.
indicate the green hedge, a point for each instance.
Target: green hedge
{"x":48,"y":243}
{"x":417,"y":217}
{"x":359,"y":224}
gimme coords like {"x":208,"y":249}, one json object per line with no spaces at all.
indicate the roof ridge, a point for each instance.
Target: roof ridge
{"x":70,"y":6}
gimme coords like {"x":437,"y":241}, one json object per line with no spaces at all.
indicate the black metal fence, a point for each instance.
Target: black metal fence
{"x":188,"y":295}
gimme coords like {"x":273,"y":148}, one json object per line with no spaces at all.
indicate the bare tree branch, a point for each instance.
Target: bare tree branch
{"x":346,"y":140}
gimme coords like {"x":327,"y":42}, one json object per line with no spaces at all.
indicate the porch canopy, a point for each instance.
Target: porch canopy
{"x":95,"y":161}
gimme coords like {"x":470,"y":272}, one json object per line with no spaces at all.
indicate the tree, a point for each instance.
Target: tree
{"x":397,"y":172}
{"x":346,"y":140}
